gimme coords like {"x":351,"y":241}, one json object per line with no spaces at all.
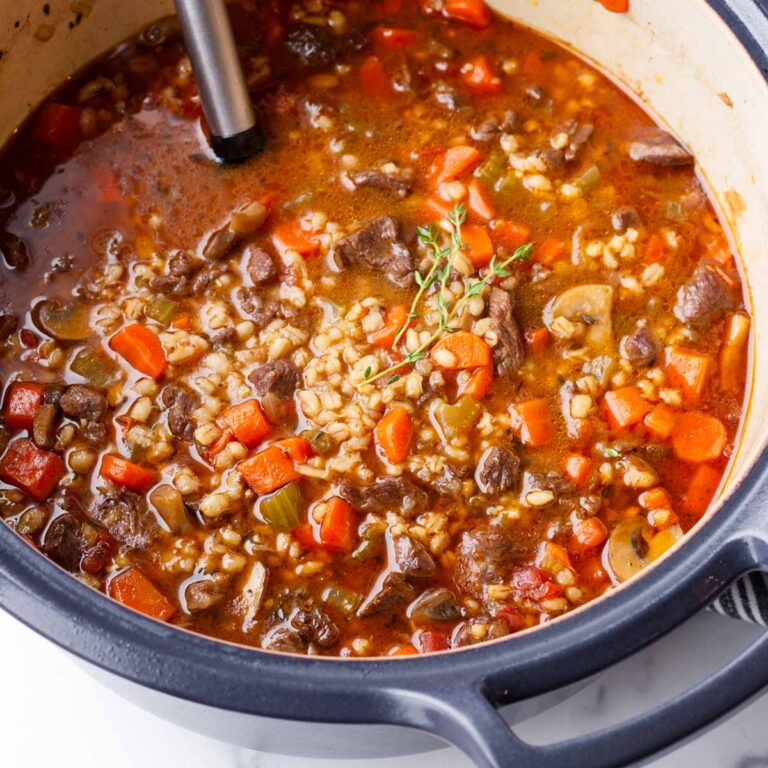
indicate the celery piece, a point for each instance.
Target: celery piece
{"x":457,"y":419}
{"x":344,"y":599}
{"x":284,"y":508}
{"x":95,"y":367}
{"x":588,"y":179}
{"x":161,"y":310}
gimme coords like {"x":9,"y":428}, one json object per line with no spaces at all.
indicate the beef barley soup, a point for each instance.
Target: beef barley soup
{"x":462,"y":350}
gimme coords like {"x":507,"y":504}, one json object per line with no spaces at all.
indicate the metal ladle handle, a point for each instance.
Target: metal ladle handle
{"x":235,"y":134}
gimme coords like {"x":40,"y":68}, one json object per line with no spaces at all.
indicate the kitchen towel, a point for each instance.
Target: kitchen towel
{"x":746,"y":599}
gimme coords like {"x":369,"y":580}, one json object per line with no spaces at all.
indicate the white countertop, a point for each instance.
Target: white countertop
{"x":53,"y":714}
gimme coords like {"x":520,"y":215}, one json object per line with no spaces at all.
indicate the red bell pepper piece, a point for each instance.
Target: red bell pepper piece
{"x":21,"y":403}
{"x":34,"y":470}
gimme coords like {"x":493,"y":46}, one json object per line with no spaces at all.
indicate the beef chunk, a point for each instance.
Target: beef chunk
{"x":16,"y":252}
{"x":449,"y":97}
{"x":381,"y":180}
{"x":387,"y":494}
{"x":183,"y":264}
{"x":412,"y":558}
{"x":312,"y":45}
{"x":434,"y":605}
{"x":703,"y":298}
{"x":80,"y":401}
{"x":378,"y":245}
{"x":463,"y":634}
{"x":9,"y":324}
{"x":126,"y":517}
{"x":95,"y":432}
{"x":483,"y":557}
{"x":181,"y":267}
{"x":52,"y":393}
{"x":660,"y":149}
{"x":180,"y":403}
{"x":493,"y":126}
{"x":545,"y":481}
{"x":625,"y":218}
{"x":640,"y":347}
{"x":448,"y":482}
{"x":206,"y":277}
{"x":63,"y":541}
{"x":256,"y":308}
{"x":497,"y":470}
{"x":508,"y":353}
{"x":205,"y":593}
{"x":261,"y":266}
{"x":579,"y":135}
{"x":285,"y":640}
{"x":43,"y":425}
{"x":315,"y":626}
{"x":224,"y":337}
{"x":277,"y":377}
{"x":387,"y":595}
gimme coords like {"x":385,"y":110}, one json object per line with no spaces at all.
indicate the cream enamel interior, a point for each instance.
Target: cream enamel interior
{"x":684,"y":64}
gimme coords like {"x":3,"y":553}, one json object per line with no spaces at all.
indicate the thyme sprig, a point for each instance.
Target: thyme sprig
{"x":443,"y":261}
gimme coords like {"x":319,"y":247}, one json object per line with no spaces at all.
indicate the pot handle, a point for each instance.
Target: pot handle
{"x":469,"y":720}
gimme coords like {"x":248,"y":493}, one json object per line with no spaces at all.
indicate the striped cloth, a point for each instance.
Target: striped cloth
{"x":746,"y":599}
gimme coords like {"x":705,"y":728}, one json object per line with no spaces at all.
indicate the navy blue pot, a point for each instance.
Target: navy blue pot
{"x":453,"y":695}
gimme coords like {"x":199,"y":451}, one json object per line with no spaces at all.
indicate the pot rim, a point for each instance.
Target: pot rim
{"x":233,"y":677}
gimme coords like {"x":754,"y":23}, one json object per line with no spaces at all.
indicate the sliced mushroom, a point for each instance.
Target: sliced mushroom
{"x":64,"y":322}
{"x":169,"y":504}
{"x":434,"y":605}
{"x":252,"y":595}
{"x":628,"y":547}
{"x":590,"y":304}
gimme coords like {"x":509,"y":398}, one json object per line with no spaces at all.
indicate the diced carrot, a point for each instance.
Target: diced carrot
{"x":21,"y":402}
{"x":183,"y":323}
{"x":626,"y":407}
{"x":532,"y":64}
{"x":510,"y":234}
{"x":219,"y":445}
{"x":405,"y":649}
{"x":593,"y":572}
{"x":58,"y":125}
{"x":374,"y":79}
{"x":394,"y":433}
{"x":654,"y":498}
{"x":478,"y":202}
{"x":655,"y":249}
{"x":123,"y":472}
{"x":660,"y":421}
{"x":305,"y":535}
{"x":531,"y":422}
{"x":437,"y":206}
{"x":338,"y":530}
{"x":473,"y":13}
{"x":536,"y":339}
{"x":394,"y":319}
{"x":455,"y":161}
{"x":475,"y":384}
{"x":701,"y":490}
{"x":459,"y":350}
{"x":292,"y":237}
{"x":248,"y":423}
{"x":479,"y":244}
{"x":394,"y":38}
{"x":733,"y":355}
{"x":553,"y":558}
{"x":34,"y":470}
{"x":590,"y":532}
{"x":549,"y":251}
{"x":299,"y":449}
{"x":615,"y":6}
{"x":480,"y":76}
{"x":134,"y":589}
{"x":429,"y":641}
{"x":688,"y":371}
{"x":576,"y":468}
{"x":698,"y":437}
{"x":141,"y":349}
{"x":268,"y":470}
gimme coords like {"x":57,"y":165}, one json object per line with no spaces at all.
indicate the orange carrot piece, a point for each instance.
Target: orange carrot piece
{"x":133,"y":589}
{"x":576,"y":468}
{"x":590,"y":532}
{"x":549,"y":251}
{"x":402,"y":650}
{"x":455,"y":161}
{"x":480,"y":76}
{"x":655,"y":250}
{"x":268,"y":470}
{"x":660,"y":421}
{"x":460,"y":350}
{"x":394,"y":319}
{"x":615,"y":6}
{"x":248,"y":423}
{"x":510,"y":234}
{"x":141,"y":349}
{"x":183,"y":323}
{"x":338,"y":530}
{"x":479,"y":244}
{"x":473,"y":13}
{"x":374,"y":79}
{"x":123,"y":472}
{"x":393,"y":38}
{"x":531,"y":422}
{"x":701,"y":490}
{"x":698,"y":437}
{"x":478,"y":202}
{"x":475,"y":384}
{"x":626,"y":407}
{"x":688,"y":371}
{"x":291,"y":237}
{"x":532,"y":64}
{"x":394,"y":433}
{"x":437,"y":206}
{"x":536,"y":339}
{"x":21,"y":403}
{"x":299,"y":449}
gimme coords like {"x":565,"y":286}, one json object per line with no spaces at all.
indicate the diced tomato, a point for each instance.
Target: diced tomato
{"x":428,"y":641}
{"x":58,"y":125}
{"x":480,"y":77}
{"x":532,"y":583}
{"x":134,"y":589}
{"x":338,"y":530}
{"x":123,"y":472}
{"x":394,"y":38}
{"x":34,"y":470}
{"x":473,"y":13}
{"x":248,"y":423}
{"x":374,"y":79}
{"x":513,"y":618}
{"x":21,"y":403}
